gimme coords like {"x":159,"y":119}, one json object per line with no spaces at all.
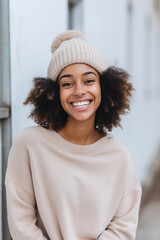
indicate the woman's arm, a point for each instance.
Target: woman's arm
{"x":21,"y":203}
{"x":124,"y":223}
{"x":22,"y":214}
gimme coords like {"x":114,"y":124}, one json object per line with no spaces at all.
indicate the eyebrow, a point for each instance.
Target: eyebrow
{"x":71,"y":76}
{"x":87,"y":73}
{"x":65,"y":76}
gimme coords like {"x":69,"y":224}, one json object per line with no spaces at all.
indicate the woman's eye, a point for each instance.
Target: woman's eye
{"x":89,"y":81}
{"x":67,"y":84}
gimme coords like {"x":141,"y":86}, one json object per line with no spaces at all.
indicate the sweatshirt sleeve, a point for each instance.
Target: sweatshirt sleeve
{"x":124,"y":222}
{"x":21,"y":204}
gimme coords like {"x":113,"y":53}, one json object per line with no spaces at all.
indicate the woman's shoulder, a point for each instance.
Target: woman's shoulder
{"x":118,"y":150}
{"x":27,"y":131}
{"x":115,"y":145}
{"x":29,"y":134}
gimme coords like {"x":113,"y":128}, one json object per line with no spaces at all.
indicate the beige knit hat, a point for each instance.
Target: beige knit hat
{"x":71,"y":47}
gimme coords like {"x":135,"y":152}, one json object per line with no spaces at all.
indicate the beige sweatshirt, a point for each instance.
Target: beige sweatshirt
{"x":57,"y":190}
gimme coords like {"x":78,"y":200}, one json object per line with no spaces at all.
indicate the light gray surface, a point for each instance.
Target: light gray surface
{"x":5,"y":102}
{"x":149,"y":222}
{"x":4,"y":112}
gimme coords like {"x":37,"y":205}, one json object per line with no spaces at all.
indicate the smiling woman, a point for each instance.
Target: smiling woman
{"x":81,"y":92}
{"x":68,"y":178}
{"x":80,"y":97}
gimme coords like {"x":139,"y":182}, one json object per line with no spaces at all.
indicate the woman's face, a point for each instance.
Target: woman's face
{"x":80,"y":92}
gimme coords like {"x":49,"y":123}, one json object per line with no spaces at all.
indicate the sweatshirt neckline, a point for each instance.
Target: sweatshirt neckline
{"x":76,"y":147}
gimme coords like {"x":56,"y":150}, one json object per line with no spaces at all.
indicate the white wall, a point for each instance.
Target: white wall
{"x":0,"y":183}
{"x":106,"y":27}
{"x":145,"y":115}
{"x":33,"y":26}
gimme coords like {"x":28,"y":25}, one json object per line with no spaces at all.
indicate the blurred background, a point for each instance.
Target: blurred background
{"x":127,"y":32}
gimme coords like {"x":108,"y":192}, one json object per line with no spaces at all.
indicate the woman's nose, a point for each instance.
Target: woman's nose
{"x":79,"y":90}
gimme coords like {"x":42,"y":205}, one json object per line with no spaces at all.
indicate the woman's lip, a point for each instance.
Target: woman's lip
{"x":79,"y":101}
{"x":82,"y":107}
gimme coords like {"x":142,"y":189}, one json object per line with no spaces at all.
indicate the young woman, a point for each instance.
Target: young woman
{"x":68,"y":178}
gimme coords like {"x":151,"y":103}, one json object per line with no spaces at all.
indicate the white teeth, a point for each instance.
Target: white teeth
{"x":81,"y":104}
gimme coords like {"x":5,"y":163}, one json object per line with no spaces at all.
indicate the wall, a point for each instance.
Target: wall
{"x":33,"y":26}
{"x":132,"y":40}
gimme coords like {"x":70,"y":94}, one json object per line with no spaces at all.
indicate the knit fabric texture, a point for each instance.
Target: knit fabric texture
{"x":57,"y":190}
{"x":71,"y":47}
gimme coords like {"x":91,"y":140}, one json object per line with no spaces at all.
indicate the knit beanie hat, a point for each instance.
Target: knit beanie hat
{"x":71,"y":47}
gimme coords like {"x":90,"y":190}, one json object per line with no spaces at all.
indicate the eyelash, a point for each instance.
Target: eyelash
{"x":69,"y":84}
{"x":90,"y":81}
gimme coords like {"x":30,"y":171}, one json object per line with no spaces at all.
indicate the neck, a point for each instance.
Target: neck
{"x":79,"y":132}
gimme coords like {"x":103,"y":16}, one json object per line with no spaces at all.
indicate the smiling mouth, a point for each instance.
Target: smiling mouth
{"x":81,"y":104}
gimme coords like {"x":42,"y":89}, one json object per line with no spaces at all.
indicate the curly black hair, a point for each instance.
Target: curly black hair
{"x":115,"y":89}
